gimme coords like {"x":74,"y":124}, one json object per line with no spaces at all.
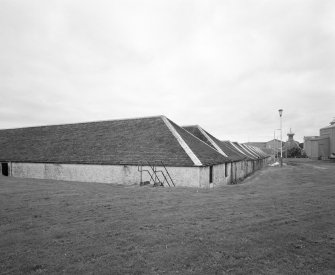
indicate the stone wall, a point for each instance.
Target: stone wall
{"x":128,"y":174}
{"x":117,"y":174}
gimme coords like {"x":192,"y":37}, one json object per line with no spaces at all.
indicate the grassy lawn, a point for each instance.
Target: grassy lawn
{"x":280,"y":220}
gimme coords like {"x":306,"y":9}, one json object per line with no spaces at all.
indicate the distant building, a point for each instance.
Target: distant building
{"x":308,"y":145}
{"x":273,"y":144}
{"x":290,"y":143}
{"x":271,"y":147}
{"x":323,"y":146}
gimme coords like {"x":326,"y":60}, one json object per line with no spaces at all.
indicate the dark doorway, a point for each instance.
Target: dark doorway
{"x":210,"y":174}
{"x":4,"y":169}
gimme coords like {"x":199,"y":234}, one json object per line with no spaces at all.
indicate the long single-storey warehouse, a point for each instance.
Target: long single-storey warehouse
{"x":237,"y":170}
{"x":247,"y":164}
{"x":127,"y":151}
{"x":259,"y":158}
{"x":242,"y":165}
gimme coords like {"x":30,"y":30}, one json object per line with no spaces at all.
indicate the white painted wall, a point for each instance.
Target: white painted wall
{"x":204,"y":177}
{"x":238,"y":171}
{"x":241,"y":170}
{"x":250,"y":167}
{"x":127,"y":174}
{"x":184,"y":176}
{"x":219,"y":177}
{"x":228,"y":176}
{"x":117,"y":174}
{"x":233,"y":172}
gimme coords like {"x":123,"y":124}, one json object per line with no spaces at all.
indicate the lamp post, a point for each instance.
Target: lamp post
{"x":275,"y":143}
{"x":281,"y":137}
{"x":274,"y":146}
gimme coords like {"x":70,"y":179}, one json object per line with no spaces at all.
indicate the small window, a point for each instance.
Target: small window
{"x":210,"y":174}
{"x":226,"y":169}
{"x":4,"y":169}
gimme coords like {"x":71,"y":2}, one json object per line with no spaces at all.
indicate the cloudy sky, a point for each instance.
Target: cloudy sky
{"x":225,"y":65}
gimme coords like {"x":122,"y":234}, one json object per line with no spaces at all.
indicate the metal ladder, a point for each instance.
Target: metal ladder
{"x":154,"y":172}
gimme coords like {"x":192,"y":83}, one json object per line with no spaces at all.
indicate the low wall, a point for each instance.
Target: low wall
{"x":117,"y":174}
{"x":219,"y":175}
{"x":240,"y":170}
{"x":128,"y":174}
{"x":228,"y":176}
{"x":250,"y":167}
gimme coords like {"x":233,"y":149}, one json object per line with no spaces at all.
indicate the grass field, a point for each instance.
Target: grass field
{"x":279,"y":221}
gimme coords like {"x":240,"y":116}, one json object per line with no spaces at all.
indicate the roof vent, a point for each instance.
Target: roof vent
{"x":333,"y":121}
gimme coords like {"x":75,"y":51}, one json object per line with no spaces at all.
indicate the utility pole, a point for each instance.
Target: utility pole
{"x":274,"y":147}
{"x":281,"y":137}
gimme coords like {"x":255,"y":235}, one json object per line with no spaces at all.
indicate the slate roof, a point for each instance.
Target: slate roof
{"x":114,"y":142}
{"x":245,"y":151}
{"x":194,"y":130}
{"x":253,"y":151}
{"x":257,"y":144}
{"x":261,"y":152}
{"x":208,"y":153}
{"x":248,"y":151}
{"x":232,"y":153}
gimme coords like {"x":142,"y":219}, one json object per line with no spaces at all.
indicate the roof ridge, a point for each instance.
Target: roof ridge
{"x":253,"y":150}
{"x":235,"y":150}
{"x":238,"y":149}
{"x":192,"y":125}
{"x":217,"y":147}
{"x":84,"y":122}
{"x":200,"y":139}
{"x":182,"y":142}
{"x":249,"y":150}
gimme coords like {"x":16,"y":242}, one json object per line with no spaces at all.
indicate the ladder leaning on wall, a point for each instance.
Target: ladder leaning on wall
{"x":159,"y":177}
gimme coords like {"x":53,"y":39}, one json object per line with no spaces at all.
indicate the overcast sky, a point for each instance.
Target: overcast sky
{"x":225,"y":65}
